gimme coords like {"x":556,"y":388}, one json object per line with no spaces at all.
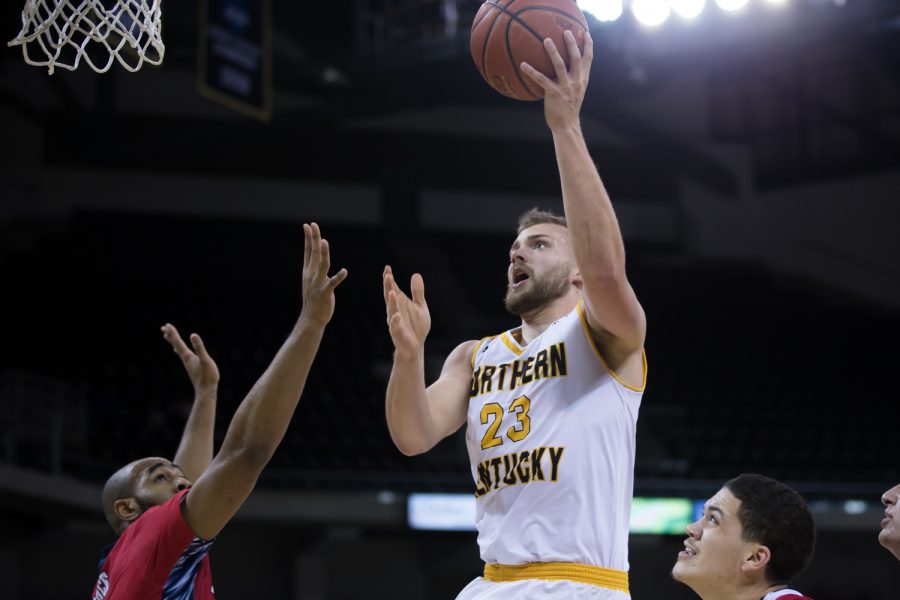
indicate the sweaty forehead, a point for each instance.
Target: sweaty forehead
{"x":551,"y":230}
{"x":143,"y":465}
{"x":725,"y":501}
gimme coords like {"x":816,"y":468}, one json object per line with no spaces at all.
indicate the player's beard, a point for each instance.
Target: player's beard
{"x":538,"y":291}
{"x":146,"y":502}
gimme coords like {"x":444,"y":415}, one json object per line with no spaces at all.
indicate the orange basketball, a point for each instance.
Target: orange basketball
{"x":507,"y":32}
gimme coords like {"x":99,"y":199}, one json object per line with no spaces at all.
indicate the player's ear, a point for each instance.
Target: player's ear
{"x":756,"y":561}
{"x":576,"y":278}
{"x":127,"y":509}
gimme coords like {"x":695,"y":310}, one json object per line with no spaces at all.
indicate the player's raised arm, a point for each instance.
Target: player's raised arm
{"x":261,"y":420}
{"x":613,"y":311}
{"x":420,"y":417}
{"x":195,"y":450}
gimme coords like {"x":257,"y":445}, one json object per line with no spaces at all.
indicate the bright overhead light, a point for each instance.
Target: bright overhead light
{"x":603,"y":10}
{"x":731,"y":4}
{"x":651,"y":12}
{"x":688,"y":8}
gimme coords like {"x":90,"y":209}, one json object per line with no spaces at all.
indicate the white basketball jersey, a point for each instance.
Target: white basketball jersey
{"x":551,"y":439}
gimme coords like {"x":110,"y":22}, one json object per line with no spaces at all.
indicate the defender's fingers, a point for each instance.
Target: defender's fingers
{"x":307,"y":245}
{"x":559,"y":65}
{"x":324,"y":257}
{"x":417,"y":286}
{"x":170,"y":333}
{"x":335,"y":281}
{"x":536,"y":76}
{"x":315,"y":243}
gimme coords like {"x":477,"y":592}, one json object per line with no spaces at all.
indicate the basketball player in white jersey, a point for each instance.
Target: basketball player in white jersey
{"x":889,"y":537}
{"x":551,"y":406}
{"x":754,"y":536}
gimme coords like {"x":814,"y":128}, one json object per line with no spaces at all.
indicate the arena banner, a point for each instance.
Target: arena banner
{"x":235,"y":62}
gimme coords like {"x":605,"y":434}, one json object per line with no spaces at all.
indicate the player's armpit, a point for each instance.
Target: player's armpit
{"x":613,"y":311}
{"x":618,"y":326}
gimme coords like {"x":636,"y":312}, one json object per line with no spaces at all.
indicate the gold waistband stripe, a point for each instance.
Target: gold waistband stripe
{"x":590,"y":574}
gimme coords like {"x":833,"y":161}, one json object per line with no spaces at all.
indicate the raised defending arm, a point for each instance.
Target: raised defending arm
{"x":195,"y":450}
{"x":261,"y":420}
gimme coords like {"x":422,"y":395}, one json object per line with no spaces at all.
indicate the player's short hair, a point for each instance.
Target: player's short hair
{"x":536,"y":216}
{"x":120,"y":485}
{"x":775,"y":515}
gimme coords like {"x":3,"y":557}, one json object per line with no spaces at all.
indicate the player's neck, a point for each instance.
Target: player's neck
{"x":772,"y":588}
{"x":537,"y":321}
{"x":753,"y":592}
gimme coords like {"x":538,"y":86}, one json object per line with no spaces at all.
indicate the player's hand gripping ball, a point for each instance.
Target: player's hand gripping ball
{"x":507,"y":32}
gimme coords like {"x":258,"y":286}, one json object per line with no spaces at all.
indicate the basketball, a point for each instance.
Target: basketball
{"x":507,"y":32}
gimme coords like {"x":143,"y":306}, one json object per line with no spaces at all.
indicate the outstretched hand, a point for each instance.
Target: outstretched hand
{"x":200,"y":366}
{"x":318,"y":287}
{"x":408,"y":318}
{"x":563,"y":96}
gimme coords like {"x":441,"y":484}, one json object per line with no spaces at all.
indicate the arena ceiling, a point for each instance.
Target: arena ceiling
{"x":362,"y":85}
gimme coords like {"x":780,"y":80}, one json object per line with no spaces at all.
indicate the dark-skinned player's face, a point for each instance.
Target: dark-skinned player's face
{"x":156,"y":481}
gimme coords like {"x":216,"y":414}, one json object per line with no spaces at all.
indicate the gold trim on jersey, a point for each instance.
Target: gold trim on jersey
{"x":590,"y":337}
{"x":478,"y":347}
{"x":590,"y":574}
{"x":511,"y":343}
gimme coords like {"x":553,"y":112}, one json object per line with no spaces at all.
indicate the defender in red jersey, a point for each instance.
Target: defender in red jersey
{"x":755,"y":535}
{"x":165,"y":524}
{"x":889,"y":537}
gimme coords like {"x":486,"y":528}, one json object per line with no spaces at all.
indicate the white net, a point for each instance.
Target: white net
{"x":60,"y":33}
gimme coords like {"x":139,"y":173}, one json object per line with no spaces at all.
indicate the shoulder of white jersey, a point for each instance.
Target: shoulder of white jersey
{"x":481,"y":346}
{"x":582,"y":316}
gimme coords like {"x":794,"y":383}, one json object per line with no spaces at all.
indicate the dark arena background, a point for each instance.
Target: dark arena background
{"x":752,"y":155}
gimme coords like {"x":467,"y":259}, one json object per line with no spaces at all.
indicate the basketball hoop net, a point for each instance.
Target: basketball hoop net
{"x":65,"y":31}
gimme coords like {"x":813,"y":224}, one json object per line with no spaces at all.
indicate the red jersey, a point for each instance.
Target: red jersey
{"x":785,"y":595}
{"x":157,"y":557}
